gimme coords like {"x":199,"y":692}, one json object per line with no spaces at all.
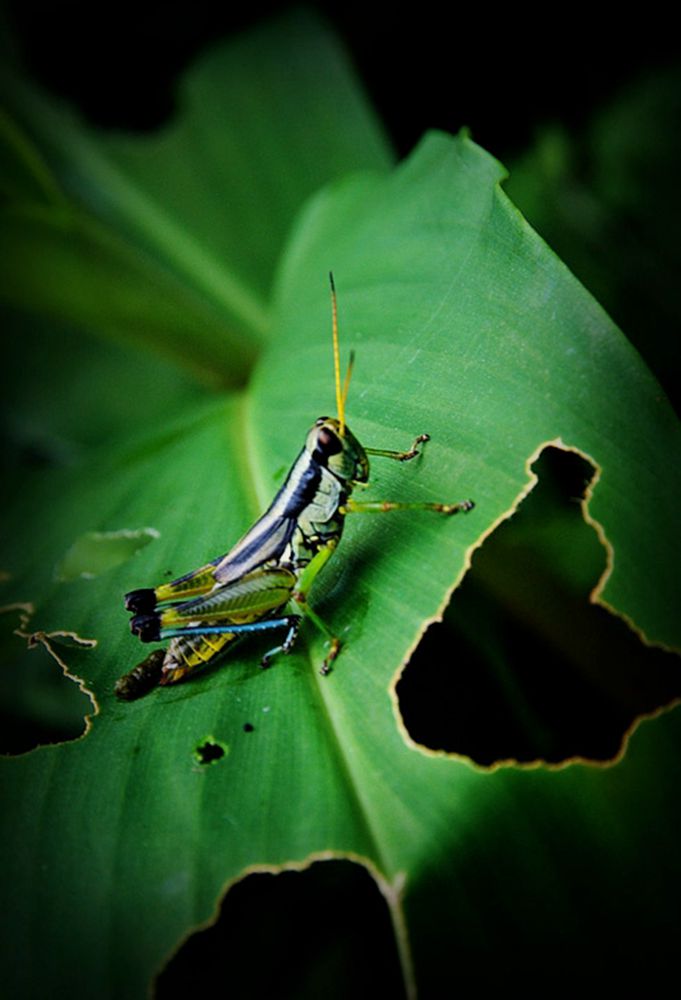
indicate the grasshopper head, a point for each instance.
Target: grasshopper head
{"x":341,"y":454}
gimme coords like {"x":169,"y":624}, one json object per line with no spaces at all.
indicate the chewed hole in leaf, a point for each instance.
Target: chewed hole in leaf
{"x":524,"y":667}
{"x":333,"y":907}
{"x":38,"y":703}
{"x":210,"y":751}
{"x":95,"y":552}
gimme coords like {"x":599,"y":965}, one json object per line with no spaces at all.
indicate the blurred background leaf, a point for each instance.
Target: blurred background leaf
{"x":607,"y":201}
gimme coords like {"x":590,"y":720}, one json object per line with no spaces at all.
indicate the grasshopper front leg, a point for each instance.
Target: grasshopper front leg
{"x":383,"y":506}
{"x":400,"y":456}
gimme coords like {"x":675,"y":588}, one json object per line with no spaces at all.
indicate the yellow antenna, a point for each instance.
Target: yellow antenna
{"x":348,"y":375}
{"x":340,"y":395}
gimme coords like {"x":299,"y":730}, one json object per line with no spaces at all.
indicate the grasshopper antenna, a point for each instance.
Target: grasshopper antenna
{"x":341,"y":394}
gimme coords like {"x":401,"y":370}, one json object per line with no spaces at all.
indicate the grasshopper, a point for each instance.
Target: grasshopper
{"x":264,"y":581}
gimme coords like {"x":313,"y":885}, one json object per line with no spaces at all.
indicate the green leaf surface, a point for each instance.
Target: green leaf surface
{"x":466,"y":294}
{"x":466,"y":327}
{"x":125,"y":296}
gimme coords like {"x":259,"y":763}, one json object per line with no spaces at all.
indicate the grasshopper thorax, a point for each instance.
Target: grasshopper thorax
{"x":340,"y":453}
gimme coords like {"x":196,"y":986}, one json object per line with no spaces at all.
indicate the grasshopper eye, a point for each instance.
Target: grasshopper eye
{"x":328,"y":443}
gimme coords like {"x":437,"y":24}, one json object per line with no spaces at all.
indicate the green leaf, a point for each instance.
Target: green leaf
{"x":466,"y":295}
{"x":199,"y":211}
{"x":466,"y":327}
{"x":67,"y":265}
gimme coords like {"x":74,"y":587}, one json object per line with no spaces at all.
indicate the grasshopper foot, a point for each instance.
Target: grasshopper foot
{"x":455,"y":508}
{"x":334,"y":650}
{"x":286,"y":647}
{"x":407,"y":456}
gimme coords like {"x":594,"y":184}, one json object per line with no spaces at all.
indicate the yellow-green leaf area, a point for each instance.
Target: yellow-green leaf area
{"x":96,"y":552}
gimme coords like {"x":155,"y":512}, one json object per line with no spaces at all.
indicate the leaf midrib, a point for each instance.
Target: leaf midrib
{"x":172,"y":242}
{"x":256,"y":483}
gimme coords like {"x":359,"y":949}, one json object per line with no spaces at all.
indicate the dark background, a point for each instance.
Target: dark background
{"x":502,"y":74}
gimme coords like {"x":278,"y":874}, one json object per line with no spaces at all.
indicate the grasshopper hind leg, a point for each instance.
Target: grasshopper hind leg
{"x":187,"y":653}
{"x":141,"y":602}
{"x":287,"y":644}
{"x":147,"y":627}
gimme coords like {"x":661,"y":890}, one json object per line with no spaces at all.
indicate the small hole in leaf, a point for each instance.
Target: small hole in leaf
{"x":95,"y":552}
{"x":322,"y":932}
{"x":524,"y":667}
{"x":210,"y":750}
{"x":248,"y":727}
